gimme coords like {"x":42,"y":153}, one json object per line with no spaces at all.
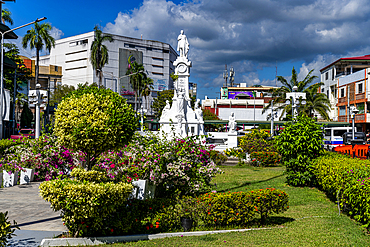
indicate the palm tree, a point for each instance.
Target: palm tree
{"x":316,"y":102}
{"x":138,"y":79}
{"x":6,"y":16}
{"x":99,"y":52}
{"x":148,"y":86}
{"x":37,"y":38}
{"x":279,"y":94}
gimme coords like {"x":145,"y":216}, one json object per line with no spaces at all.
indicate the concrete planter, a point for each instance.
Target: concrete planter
{"x":1,"y":179}
{"x":142,"y":190}
{"x":27,"y":176}
{"x":10,"y":180}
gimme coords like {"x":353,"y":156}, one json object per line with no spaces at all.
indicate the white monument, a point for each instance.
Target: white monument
{"x":180,"y":118}
{"x":232,"y":139}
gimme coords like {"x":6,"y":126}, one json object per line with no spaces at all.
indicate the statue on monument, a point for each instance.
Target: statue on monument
{"x":182,"y":45}
{"x":166,"y":109}
{"x":180,"y":101}
{"x":232,"y":123}
{"x":198,"y":111}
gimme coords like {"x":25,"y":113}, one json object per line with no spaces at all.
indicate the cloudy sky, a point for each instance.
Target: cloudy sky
{"x":256,"y":37}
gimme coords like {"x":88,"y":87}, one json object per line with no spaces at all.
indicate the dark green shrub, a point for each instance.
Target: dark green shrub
{"x":299,"y":143}
{"x":256,"y":141}
{"x":265,"y":158}
{"x":217,"y":157}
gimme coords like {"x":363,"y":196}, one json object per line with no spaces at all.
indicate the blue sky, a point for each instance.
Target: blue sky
{"x":253,"y":36}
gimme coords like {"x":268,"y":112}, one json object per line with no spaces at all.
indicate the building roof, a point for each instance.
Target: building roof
{"x":360,"y":58}
{"x":10,"y":35}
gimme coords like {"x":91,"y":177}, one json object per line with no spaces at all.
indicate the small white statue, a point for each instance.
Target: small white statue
{"x":232,"y":123}
{"x":198,"y":111}
{"x":166,"y":109}
{"x":179,"y":124}
{"x":182,"y":45}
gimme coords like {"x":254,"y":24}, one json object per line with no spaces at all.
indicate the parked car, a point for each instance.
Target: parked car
{"x":24,"y":132}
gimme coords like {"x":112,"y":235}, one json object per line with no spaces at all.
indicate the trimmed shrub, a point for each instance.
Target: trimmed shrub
{"x":348,"y":180}
{"x":93,"y":121}
{"x":299,"y":143}
{"x":265,"y":158}
{"x":239,"y":208}
{"x":217,"y":157}
{"x":87,"y":208}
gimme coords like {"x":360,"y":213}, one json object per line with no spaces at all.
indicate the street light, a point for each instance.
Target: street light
{"x":273,"y":115}
{"x":37,"y":98}
{"x":354,"y":111}
{"x":2,"y":70}
{"x":296,"y":98}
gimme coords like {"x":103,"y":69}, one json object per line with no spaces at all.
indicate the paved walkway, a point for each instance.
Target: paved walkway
{"x":34,"y":216}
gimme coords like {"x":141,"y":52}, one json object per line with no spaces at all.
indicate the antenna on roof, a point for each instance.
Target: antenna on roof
{"x":276,"y":75}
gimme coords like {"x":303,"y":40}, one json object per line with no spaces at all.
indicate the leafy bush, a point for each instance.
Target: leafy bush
{"x":6,"y":232}
{"x":256,"y":141}
{"x":239,"y":208}
{"x":93,"y":121}
{"x":87,"y":208}
{"x":265,"y":158}
{"x":348,"y":180}
{"x":217,"y":157}
{"x":235,"y":152}
{"x":298,"y":145}
{"x":7,"y":143}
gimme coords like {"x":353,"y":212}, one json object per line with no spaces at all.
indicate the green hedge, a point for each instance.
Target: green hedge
{"x":87,"y":208}
{"x":239,"y":208}
{"x":265,"y":158}
{"x":348,"y":180}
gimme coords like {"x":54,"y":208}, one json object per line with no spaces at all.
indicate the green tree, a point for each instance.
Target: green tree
{"x":59,"y":93}
{"x":279,"y":94}
{"x":138,"y":78}
{"x":6,"y":16}
{"x":94,"y":120}
{"x":99,"y":52}
{"x":26,"y":116}
{"x":208,"y":115}
{"x":160,"y":102}
{"x":38,"y":38}
{"x":298,"y":144}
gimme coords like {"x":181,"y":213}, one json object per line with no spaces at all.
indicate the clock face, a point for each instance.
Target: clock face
{"x":182,"y":68}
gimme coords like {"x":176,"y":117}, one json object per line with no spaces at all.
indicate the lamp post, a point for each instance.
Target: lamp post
{"x":293,"y":98}
{"x":354,"y":111}
{"x":142,"y":111}
{"x":37,"y":98}
{"x":254,"y":108}
{"x":2,"y":34}
{"x":273,"y":115}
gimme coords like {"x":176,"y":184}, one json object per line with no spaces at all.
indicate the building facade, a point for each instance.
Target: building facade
{"x":73,"y":55}
{"x":246,"y":103}
{"x":346,"y":83}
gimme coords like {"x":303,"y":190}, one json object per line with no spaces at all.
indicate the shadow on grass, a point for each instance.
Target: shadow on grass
{"x":249,"y":183}
{"x":278,"y":220}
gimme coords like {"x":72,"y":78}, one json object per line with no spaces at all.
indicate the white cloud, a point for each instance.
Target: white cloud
{"x":56,"y":33}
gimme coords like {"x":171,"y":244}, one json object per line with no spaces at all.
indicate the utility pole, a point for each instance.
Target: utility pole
{"x":225,"y":75}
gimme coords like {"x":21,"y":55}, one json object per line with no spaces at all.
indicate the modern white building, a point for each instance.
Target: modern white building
{"x":73,"y":55}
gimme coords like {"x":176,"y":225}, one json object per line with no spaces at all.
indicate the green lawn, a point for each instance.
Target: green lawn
{"x":312,"y":219}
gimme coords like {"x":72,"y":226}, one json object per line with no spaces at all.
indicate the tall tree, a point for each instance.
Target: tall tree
{"x":316,"y":102}
{"x":138,"y":78}
{"x":26,"y":116}
{"x":279,"y":94}
{"x":6,"y":16}
{"x":38,"y":38}
{"x":160,"y":102}
{"x":99,"y":52}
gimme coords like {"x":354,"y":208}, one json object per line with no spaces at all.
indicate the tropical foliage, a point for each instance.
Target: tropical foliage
{"x":160,"y":102}
{"x":315,"y":101}
{"x":38,"y":38}
{"x":99,"y":52}
{"x":6,"y":16}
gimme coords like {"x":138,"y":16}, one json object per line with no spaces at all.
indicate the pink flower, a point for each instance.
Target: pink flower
{"x":112,"y":166}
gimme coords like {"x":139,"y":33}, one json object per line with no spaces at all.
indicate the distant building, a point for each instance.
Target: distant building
{"x":247,"y":103}
{"x":73,"y":55}
{"x":346,"y":83}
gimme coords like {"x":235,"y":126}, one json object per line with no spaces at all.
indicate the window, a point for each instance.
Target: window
{"x":361,"y":108}
{"x":342,"y":92}
{"x":332,"y":74}
{"x":56,"y":68}
{"x":342,"y":111}
{"x":327,"y":132}
{"x":339,"y":132}
{"x":326,"y":75}
{"x":327,"y":93}
{"x":322,"y":90}
{"x":359,"y":88}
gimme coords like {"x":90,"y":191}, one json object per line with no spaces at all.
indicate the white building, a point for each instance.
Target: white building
{"x":73,"y":54}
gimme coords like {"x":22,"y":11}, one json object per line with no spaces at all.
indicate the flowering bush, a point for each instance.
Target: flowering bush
{"x":265,"y":158}
{"x":180,"y":166}
{"x":235,"y":152}
{"x":347,"y":180}
{"x":49,"y":159}
{"x":256,"y":141}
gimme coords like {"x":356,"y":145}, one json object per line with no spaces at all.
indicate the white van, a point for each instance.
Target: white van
{"x":333,"y":136}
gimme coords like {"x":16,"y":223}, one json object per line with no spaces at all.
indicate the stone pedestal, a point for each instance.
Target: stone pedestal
{"x":10,"y":180}
{"x":232,"y":141}
{"x":142,"y":190}
{"x":27,"y":176}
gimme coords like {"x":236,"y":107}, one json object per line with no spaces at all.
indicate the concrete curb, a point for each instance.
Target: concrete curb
{"x":131,"y":238}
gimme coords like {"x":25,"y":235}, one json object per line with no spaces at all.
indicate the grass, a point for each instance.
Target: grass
{"x":312,"y":219}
